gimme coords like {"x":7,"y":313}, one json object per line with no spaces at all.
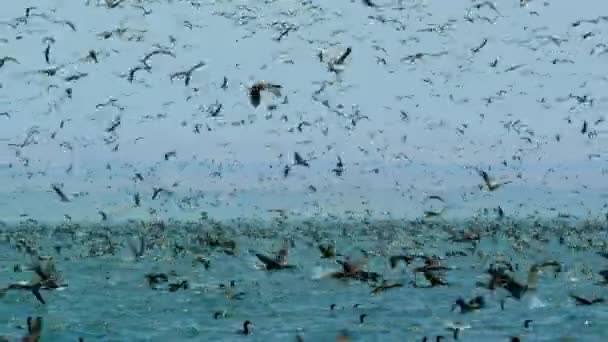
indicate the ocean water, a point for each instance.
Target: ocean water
{"x":432,"y":93}
{"x":107,"y":298}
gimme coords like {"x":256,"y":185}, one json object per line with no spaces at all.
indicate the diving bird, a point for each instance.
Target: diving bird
{"x":279,"y":262}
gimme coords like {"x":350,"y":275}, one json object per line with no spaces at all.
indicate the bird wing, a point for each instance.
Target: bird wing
{"x":36,"y":292}
{"x":268,"y":261}
{"x":274,"y":89}
{"x":580,"y":300}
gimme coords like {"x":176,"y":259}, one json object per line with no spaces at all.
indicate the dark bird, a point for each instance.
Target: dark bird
{"x":395,"y":259}
{"x":339,"y":169}
{"x":298,"y":160}
{"x":270,"y":263}
{"x":501,"y":212}
{"x":187,"y":75}
{"x":604,"y":274}
{"x":138,"y":177}
{"x":49,"y":71}
{"x":351,"y":270}
{"x":474,"y":304}
{"x":245,"y":330}
{"x":47,"y":52}
{"x":433,"y":213}
{"x":585,"y":301}
{"x":301,"y":125}
{"x":60,"y":193}
{"x":156,"y":192}
{"x":113,"y":3}
{"x":369,"y":3}
{"x":491,"y":184}
{"x":466,"y":237}
{"x":137,"y":199}
{"x":279,"y":262}
{"x":385,"y":286}
{"x":349,"y":267}
{"x":584,"y":128}
{"x":93,"y":56}
{"x":45,"y":278}
{"x":230,"y":295}
{"x":113,"y":126}
{"x":75,"y":77}
{"x":34,"y":330}
{"x":256,"y":90}
{"x":332,"y":65}
{"x":46,"y":274}
{"x":34,"y":288}
{"x":362,"y":318}
{"x":219,"y":314}
{"x":170,"y":155}
{"x":36,"y":291}
{"x":455,"y":332}
{"x":501,"y":279}
{"x":147,"y":57}
{"x":178,"y":285}
{"x":436,"y":197}
{"x":28,"y":11}
{"x":131,"y":75}
{"x":327,"y":251}
{"x":155,"y":279}
{"x":480,"y":46}
{"x":5,"y":59}
{"x":434,"y":279}
{"x":201,"y":260}
{"x":432,"y":272}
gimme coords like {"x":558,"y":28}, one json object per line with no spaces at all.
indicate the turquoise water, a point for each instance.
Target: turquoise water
{"x":108,"y":299}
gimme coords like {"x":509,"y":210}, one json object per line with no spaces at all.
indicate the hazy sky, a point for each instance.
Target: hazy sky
{"x":429,"y":118}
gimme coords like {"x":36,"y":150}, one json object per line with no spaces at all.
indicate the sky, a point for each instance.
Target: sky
{"x":507,"y":90}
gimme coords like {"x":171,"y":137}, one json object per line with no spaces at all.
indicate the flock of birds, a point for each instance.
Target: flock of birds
{"x":295,"y":143}
{"x":206,"y":240}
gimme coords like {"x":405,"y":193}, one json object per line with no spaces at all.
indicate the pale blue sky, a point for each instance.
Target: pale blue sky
{"x":235,"y":39}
